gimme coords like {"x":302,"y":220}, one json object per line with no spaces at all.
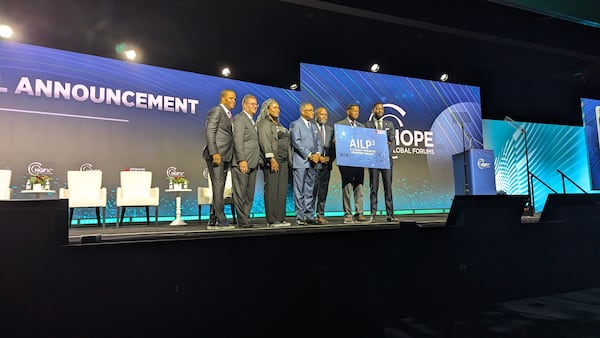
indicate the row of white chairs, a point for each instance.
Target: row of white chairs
{"x":85,"y":191}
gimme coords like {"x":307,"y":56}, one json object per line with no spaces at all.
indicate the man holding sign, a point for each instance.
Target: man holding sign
{"x":352,"y":177}
{"x":377,"y":122}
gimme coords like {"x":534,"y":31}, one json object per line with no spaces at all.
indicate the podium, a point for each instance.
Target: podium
{"x":480,"y":172}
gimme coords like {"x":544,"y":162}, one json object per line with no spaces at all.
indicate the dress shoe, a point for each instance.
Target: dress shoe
{"x":391,"y":219}
{"x":300,"y":222}
{"x":321,"y":221}
{"x":247,"y":226}
{"x":348,"y":219}
{"x":360,"y":218}
{"x":311,"y":221}
{"x":224,"y":226}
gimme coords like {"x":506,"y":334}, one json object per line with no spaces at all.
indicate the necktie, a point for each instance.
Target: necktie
{"x":379,"y":124}
{"x":322,"y":131}
{"x":229,"y":114}
{"x":353,"y":124}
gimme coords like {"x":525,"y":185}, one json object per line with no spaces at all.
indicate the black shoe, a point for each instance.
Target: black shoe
{"x":391,"y":219}
{"x":311,"y":221}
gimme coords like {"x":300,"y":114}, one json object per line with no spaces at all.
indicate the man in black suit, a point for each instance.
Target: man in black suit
{"x":323,"y":169}
{"x":218,"y":153}
{"x":352,"y":177}
{"x":377,"y":122}
{"x":246,"y":154}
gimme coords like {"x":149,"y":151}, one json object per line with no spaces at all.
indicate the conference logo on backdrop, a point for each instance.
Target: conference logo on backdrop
{"x":86,"y":167}
{"x":36,"y":168}
{"x":172,"y":172}
{"x":408,"y":141}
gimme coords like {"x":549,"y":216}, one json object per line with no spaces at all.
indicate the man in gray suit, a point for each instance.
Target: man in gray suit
{"x":246,"y":153}
{"x":218,"y":153}
{"x":306,"y":150}
{"x":323,"y":169}
{"x":352,"y":177}
{"x":377,"y":122}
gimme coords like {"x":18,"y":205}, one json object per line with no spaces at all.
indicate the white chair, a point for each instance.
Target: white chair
{"x":5,"y":190}
{"x":136,"y":191}
{"x":85,"y":191}
{"x":205,"y":196}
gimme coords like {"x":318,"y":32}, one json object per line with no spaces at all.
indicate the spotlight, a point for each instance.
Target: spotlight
{"x":374,"y":67}
{"x":130,"y":54}
{"x":127,"y":52}
{"x":444,"y":77}
{"x":5,"y":32}
{"x":294,"y":86}
{"x":226,"y":71}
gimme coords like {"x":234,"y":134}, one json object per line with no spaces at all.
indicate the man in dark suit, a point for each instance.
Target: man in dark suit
{"x":306,"y":150}
{"x":377,"y":122}
{"x":352,"y":177}
{"x":323,"y":169}
{"x":218,"y":153}
{"x":246,"y":153}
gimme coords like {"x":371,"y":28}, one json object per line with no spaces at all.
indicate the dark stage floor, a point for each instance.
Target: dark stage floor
{"x":194,"y":229}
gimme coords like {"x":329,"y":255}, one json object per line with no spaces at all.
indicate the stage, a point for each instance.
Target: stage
{"x":417,"y":278}
{"x":85,"y":234}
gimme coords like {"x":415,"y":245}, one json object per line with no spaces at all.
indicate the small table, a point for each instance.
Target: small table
{"x":178,"y":220}
{"x":38,"y":193}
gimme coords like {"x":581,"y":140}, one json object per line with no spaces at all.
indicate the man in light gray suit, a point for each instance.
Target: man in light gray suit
{"x":218,"y":153}
{"x":352,"y":177}
{"x":377,"y":122}
{"x":306,"y":149}
{"x":246,"y":154}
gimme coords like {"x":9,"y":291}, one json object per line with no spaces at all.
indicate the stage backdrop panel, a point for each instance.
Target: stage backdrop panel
{"x":64,"y":111}
{"x":551,"y":147}
{"x":591,"y":125}
{"x":427,"y":116}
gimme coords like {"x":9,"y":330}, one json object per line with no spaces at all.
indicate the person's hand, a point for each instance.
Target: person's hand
{"x":216,"y":160}
{"x":274,"y":165}
{"x":243,"y":166}
{"x":314,"y":158}
{"x":324,"y":159}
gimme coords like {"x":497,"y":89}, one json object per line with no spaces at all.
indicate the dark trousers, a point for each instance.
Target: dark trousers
{"x":386,"y":177}
{"x":276,"y":185}
{"x":320,"y":190}
{"x":217,"y":178}
{"x":243,"y":193}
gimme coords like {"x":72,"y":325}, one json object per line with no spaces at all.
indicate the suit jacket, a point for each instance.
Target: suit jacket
{"x":304,"y":140}
{"x":219,"y":134}
{"x":245,"y":141}
{"x":328,"y":147}
{"x":388,"y":126}
{"x":267,"y":139}
{"x":345,"y":122}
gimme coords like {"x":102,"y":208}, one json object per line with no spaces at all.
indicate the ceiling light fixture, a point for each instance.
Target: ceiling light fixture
{"x":226,"y":71}
{"x":6,"y":32}
{"x":444,"y":77}
{"x":374,"y":67}
{"x":294,"y":86}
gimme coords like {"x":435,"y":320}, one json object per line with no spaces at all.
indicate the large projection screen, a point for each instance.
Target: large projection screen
{"x":427,"y":115}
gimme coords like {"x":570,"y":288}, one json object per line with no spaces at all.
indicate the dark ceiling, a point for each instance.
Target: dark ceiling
{"x":530,"y":65}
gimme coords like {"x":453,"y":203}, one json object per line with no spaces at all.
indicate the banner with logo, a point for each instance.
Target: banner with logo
{"x":433,"y":121}
{"x":361,"y":147}
{"x":64,"y":111}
